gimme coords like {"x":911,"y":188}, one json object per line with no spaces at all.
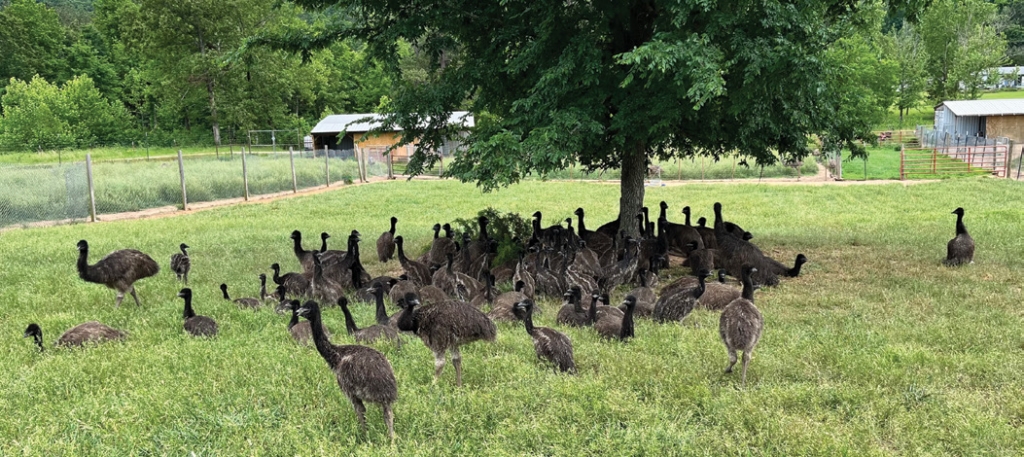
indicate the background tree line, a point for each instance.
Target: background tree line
{"x":77,"y":72}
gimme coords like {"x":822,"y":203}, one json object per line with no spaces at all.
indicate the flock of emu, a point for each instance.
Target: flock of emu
{"x":443,"y":293}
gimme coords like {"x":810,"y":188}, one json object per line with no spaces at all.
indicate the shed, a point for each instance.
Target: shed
{"x":346,"y":131}
{"x":986,"y":118}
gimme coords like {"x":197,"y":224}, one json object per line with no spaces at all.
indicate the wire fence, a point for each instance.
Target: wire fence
{"x":62,"y":192}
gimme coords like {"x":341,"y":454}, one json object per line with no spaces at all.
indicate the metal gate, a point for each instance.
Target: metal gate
{"x":951,"y":160}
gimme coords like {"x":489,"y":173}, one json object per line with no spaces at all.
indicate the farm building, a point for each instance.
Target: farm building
{"x":981,"y":118}
{"x":346,"y":131}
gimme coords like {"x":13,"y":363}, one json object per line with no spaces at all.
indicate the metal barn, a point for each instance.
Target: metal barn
{"x":981,"y":118}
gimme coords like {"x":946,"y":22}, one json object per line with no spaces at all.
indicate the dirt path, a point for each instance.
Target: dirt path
{"x":822,"y":178}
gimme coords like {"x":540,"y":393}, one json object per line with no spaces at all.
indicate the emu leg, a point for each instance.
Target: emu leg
{"x":186,"y":278}
{"x":746,"y":360}
{"x":136,"y":297}
{"x":360,"y":413}
{"x":732,"y":360}
{"x":120,"y":296}
{"x":389,"y":418}
{"x":457,"y":361}
{"x":438,"y":364}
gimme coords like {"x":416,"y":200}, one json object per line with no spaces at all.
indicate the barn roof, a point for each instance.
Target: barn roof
{"x":1010,"y":107}
{"x":351,"y":123}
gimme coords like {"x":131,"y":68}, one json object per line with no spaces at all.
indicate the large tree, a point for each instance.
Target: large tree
{"x":31,"y":40}
{"x":962,"y":45}
{"x":905,"y":48}
{"x":613,"y":83}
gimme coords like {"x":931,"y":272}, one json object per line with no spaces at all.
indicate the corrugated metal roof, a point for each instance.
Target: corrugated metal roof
{"x":337,"y":123}
{"x":1010,"y":107}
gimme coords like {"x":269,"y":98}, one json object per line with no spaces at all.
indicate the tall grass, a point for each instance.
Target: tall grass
{"x":876,"y":350}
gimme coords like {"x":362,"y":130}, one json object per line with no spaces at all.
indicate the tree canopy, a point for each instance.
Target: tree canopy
{"x":614,"y":83}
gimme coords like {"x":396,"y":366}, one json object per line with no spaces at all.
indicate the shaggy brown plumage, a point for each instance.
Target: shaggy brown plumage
{"x":294,"y":283}
{"x":572,"y":313}
{"x":679,"y":303}
{"x":321,"y":286}
{"x":368,"y":334}
{"x":250,"y":303}
{"x":301,"y":332}
{"x":79,"y":335}
{"x":741,"y":324}
{"x":960,"y":250}
{"x":717,"y":295}
{"x":181,"y":264}
{"x":549,"y":344}
{"x":501,"y":309}
{"x":645,"y":298}
{"x":196,"y":325}
{"x":118,"y":270}
{"x":735,"y":252}
{"x":304,"y":257}
{"x":363,"y":374}
{"x":445,"y":327}
{"x":417,"y":272}
{"x":611,"y":326}
{"x":386,"y":243}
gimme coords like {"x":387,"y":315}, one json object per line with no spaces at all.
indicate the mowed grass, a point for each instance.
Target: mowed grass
{"x":883,"y":162}
{"x":876,"y":350}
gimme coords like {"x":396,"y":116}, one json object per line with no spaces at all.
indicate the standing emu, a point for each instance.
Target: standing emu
{"x":386,"y":243}
{"x":181,"y":264}
{"x":551,"y":345}
{"x":444,"y":327}
{"x":960,"y":250}
{"x":741,"y":324}
{"x":118,"y":270}
{"x":363,"y":373}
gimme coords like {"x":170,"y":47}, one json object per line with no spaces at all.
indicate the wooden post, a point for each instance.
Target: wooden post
{"x":245,"y":175}
{"x":441,"y":161}
{"x":295,"y":183}
{"x":181,"y":172}
{"x":327,"y":165}
{"x":902,"y":152}
{"x":92,"y":192}
{"x":231,"y":149}
{"x":391,"y":164}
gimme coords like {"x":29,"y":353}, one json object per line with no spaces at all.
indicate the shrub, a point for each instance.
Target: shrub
{"x":503,"y":227}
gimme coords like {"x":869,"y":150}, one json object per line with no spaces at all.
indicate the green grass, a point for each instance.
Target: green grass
{"x":876,"y":350}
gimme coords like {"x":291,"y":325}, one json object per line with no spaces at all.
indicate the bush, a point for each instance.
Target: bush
{"x":503,"y":227}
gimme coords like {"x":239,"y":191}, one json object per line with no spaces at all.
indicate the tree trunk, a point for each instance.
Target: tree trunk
{"x":213,"y":111}
{"x":631,"y":196}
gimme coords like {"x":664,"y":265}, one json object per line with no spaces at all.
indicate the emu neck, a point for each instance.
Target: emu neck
{"x":401,"y":253}
{"x":663,"y":213}
{"x":701,"y":287}
{"x":277,"y":277}
{"x":393,"y":222}
{"x":748,"y":287}
{"x":83,"y":264}
{"x":295,"y":319}
{"x":323,"y":245}
{"x":263,"y":286}
{"x":225,"y":291}
{"x":795,"y":271}
{"x":406,"y":321}
{"x":687,"y":218}
{"x":350,"y":324}
{"x":583,"y":227}
{"x":627,"y":324}
{"x":38,"y":337}
{"x":960,"y":228}
{"x":189,"y":313}
{"x":592,"y":312}
{"x":382,"y":314}
{"x":323,"y":345}
{"x":528,"y":319}
{"x":297,"y":247}
{"x":719,"y":224}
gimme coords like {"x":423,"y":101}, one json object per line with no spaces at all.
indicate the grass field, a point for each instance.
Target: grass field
{"x":876,"y":350}
{"x":883,"y":162}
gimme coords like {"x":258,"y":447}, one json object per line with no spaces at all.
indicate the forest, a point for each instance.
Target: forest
{"x":77,"y":73}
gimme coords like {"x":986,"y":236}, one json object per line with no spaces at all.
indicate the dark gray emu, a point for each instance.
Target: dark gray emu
{"x":181,"y":263}
{"x":960,"y":250}
{"x":550,"y":344}
{"x":364,"y":374}
{"x":741,"y":324}
{"x":118,"y":270}
{"x":444,"y":327}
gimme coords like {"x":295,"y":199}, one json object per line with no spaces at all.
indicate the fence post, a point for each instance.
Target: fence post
{"x":245,"y":175}
{"x":902,"y":153}
{"x":295,"y":183}
{"x":935,"y":154}
{"x":440,"y":173}
{"x":391,"y":164}
{"x":970,"y":160}
{"x":181,"y":172}
{"x":327,"y":165}
{"x":92,"y":192}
